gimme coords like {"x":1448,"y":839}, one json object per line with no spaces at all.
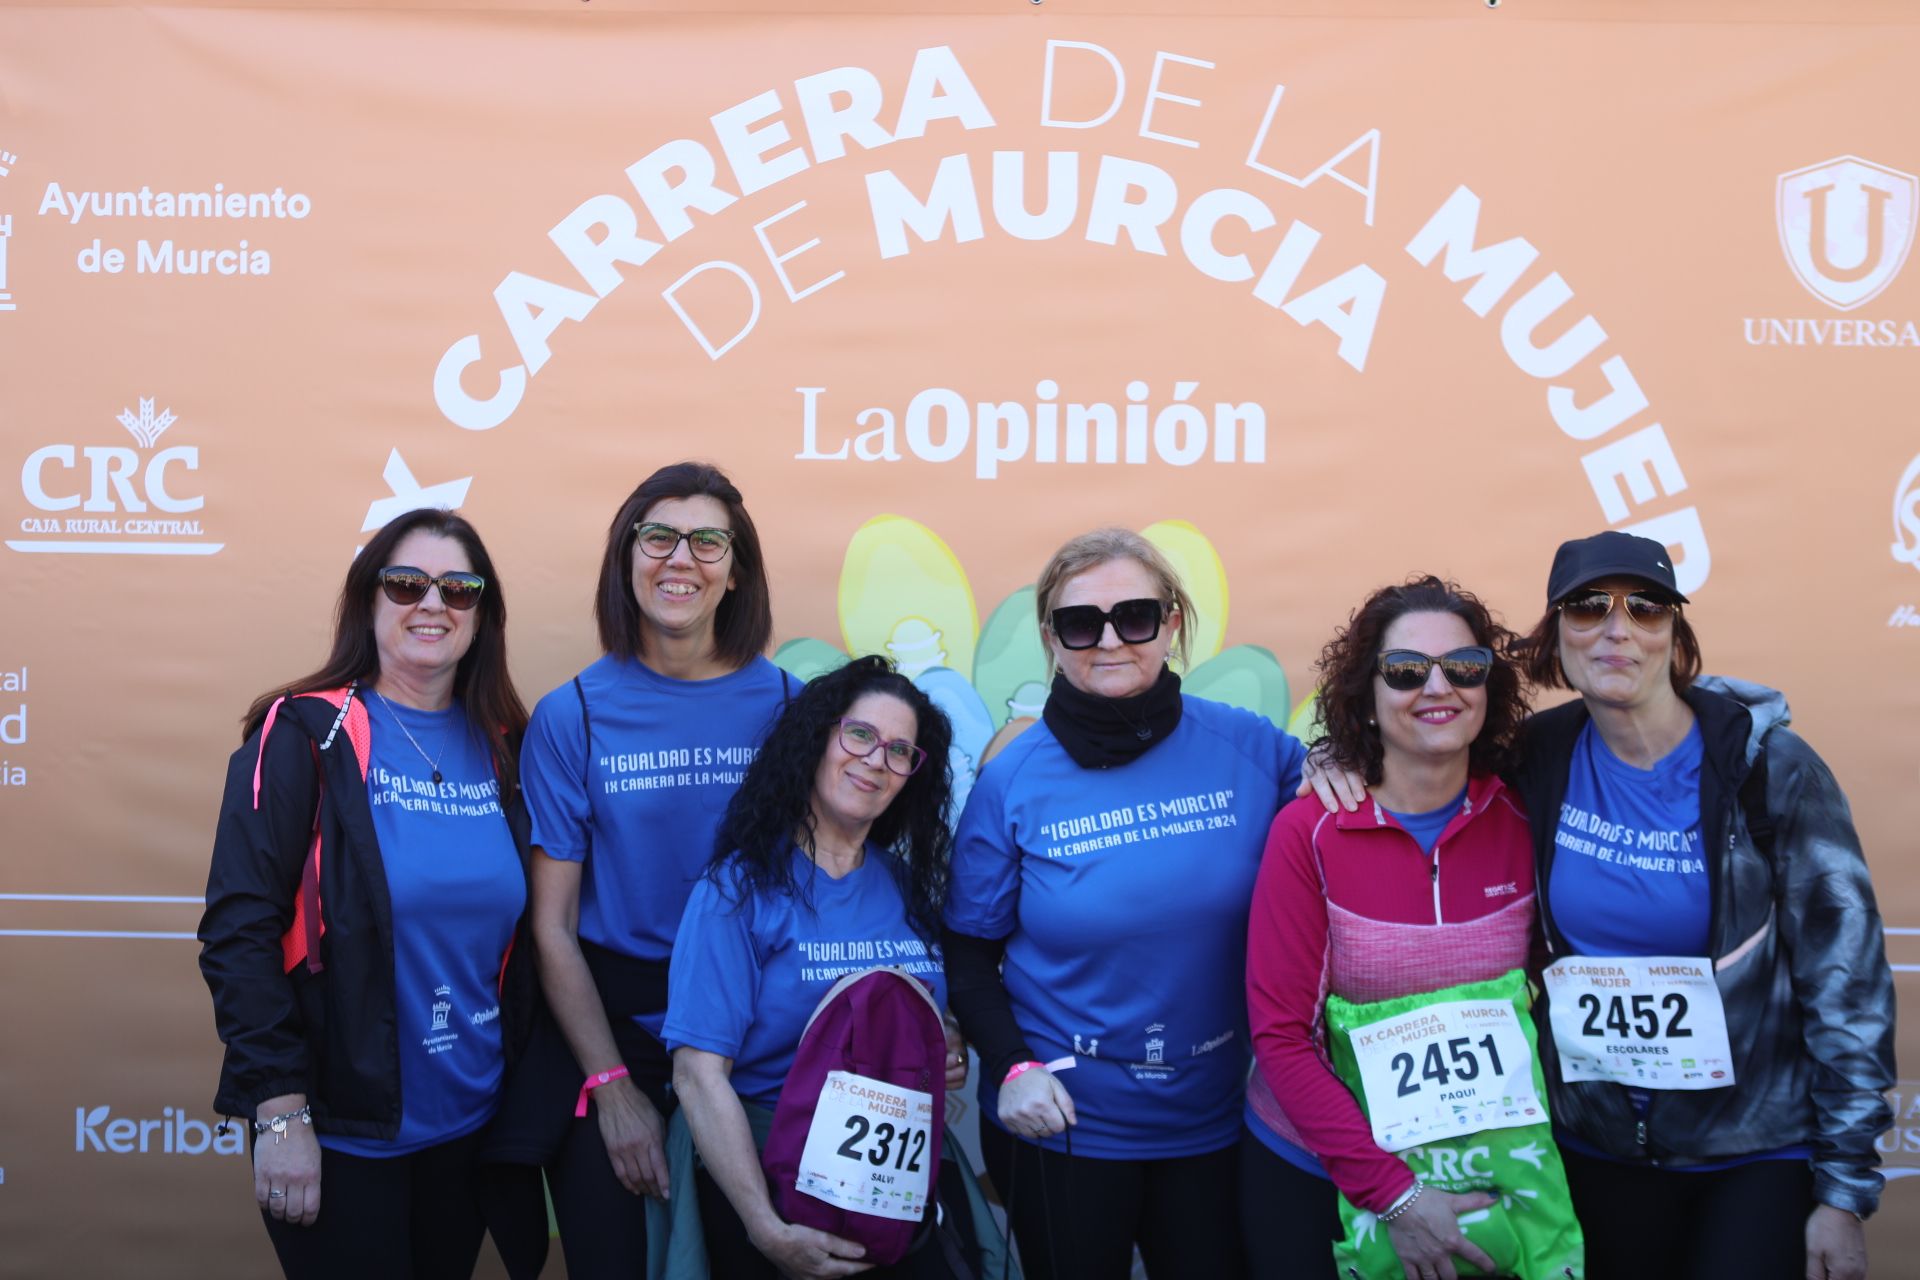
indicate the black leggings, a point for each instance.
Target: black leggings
{"x":411,"y":1217}
{"x":1744,"y":1223}
{"x":603,"y":1226}
{"x":1079,"y":1217}
{"x":1289,"y":1218}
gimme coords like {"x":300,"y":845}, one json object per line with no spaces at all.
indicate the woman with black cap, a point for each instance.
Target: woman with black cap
{"x":1720,"y":1004}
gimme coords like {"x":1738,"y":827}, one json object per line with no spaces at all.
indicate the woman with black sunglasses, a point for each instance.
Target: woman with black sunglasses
{"x":1677,"y":817}
{"x":1428,"y":886}
{"x":628,"y":768}
{"x":367,"y":888}
{"x":1096,"y":932}
{"x":833,"y":856}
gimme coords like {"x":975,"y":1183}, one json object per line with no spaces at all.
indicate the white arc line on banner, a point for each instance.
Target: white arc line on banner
{"x":136,"y":899}
{"x":92,"y":933}
{"x":93,"y":897}
{"x":123,"y":548}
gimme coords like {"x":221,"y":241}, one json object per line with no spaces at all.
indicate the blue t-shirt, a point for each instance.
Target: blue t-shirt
{"x":1629,"y":874}
{"x":748,"y":970}
{"x":641,"y":807}
{"x":457,"y":889}
{"x":1426,"y":827}
{"x":1123,"y":895}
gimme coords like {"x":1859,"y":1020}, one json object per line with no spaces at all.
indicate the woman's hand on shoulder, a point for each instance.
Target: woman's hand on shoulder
{"x":1427,"y":1235}
{"x":1035,"y":1105}
{"x":806,"y":1253}
{"x":1335,"y":787}
{"x":635,"y":1137}
{"x":1836,"y":1245}
{"x":286,"y":1166}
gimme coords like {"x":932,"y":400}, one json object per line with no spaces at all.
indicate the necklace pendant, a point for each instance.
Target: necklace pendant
{"x":436,"y":777}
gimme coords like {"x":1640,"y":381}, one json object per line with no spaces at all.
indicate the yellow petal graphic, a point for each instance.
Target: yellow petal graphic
{"x":904,"y":594}
{"x":1304,"y":723}
{"x":1205,"y":578}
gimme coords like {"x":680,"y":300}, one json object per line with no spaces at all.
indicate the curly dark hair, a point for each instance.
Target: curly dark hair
{"x":774,"y":805}
{"x":1347,"y":670}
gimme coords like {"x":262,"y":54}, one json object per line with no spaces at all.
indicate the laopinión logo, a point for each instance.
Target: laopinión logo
{"x":113,"y":500}
{"x":1846,"y":227}
{"x":173,"y":1132}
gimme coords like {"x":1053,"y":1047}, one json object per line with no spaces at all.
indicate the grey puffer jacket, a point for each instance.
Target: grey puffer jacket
{"x":1798,"y":949}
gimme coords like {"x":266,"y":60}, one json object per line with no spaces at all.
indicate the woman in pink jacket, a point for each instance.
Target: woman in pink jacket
{"x":1428,"y":884}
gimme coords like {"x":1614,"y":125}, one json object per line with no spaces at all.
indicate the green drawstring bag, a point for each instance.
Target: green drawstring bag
{"x":1451,"y":1082}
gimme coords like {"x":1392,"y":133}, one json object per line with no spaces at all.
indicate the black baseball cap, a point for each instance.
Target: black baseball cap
{"x":1612,"y":554}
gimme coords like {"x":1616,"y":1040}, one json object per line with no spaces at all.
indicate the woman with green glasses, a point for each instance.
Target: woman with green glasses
{"x":628,"y":768}
{"x":1687,"y":837}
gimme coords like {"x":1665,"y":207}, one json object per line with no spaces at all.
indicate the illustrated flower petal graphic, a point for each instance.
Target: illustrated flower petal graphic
{"x":1012,"y":655}
{"x":1205,"y":578}
{"x":903,"y":594}
{"x":1244,"y":676}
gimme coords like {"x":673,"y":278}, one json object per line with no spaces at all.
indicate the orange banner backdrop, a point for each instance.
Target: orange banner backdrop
{"x":1317,"y":297}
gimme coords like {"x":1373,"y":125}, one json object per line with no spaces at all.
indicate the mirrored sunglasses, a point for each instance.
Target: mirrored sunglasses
{"x":1407,"y":669}
{"x":405,"y":584}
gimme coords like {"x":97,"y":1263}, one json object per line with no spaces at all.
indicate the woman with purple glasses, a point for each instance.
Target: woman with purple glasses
{"x":1096,"y":932}
{"x":367,"y":889}
{"x":833,"y":854}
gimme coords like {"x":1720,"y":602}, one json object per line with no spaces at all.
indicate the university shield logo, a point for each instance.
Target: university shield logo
{"x":1846,"y":225}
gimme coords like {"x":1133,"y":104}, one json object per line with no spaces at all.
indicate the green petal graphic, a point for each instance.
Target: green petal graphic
{"x":1243,"y":676}
{"x":806,"y":658}
{"x":1011,"y":654}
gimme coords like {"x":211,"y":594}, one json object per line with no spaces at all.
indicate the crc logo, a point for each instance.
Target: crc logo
{"x":173,"y":1132}
{"x":1846,"y":225}
{"x":126,"y":501}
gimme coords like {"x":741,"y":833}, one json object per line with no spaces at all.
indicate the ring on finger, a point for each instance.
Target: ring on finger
{"x":276,"y":1193}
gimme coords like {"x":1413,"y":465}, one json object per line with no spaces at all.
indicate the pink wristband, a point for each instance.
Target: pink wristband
{"x":593,"y":1082}
{"x":1017,"y":1070}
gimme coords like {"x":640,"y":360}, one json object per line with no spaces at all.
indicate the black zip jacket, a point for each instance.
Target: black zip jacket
{"x":331,"y":1035}
{"x":1799,"y":957}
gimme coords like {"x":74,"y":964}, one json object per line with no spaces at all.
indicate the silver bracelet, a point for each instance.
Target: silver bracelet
{"x":1405,"y":1202}
{"x":277,"y":1125}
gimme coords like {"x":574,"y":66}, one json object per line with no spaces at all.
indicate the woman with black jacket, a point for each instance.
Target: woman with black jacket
{"x":367,"y":890}
{"x":1679,"y":823}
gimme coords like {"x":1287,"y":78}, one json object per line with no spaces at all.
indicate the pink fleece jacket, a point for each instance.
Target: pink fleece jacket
{"x":1348,"y":904}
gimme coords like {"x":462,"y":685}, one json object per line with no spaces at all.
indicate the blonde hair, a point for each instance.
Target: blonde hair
{"x":1102,"y":546}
